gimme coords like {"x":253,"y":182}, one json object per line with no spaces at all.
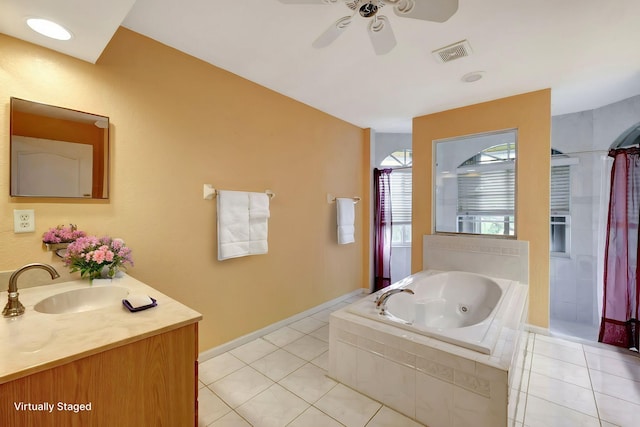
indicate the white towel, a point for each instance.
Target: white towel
{"x":346,"y":220}
{"x":258,"y":223}
{"x":233,"y":224}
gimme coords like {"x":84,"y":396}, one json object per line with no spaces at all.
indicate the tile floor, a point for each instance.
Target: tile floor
{"x":280,"y":380}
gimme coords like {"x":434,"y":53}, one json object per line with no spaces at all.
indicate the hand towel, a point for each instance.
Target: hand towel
{"x":258,"y":223}
{"x":233,"y":224}
{"x":346,"y":220}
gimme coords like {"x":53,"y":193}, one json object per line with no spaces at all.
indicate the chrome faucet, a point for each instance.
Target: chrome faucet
{"x":381,"y":301}
{"x":14,"y":307}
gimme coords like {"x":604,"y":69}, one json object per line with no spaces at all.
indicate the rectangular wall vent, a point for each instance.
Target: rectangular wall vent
{"x":453,"y":51}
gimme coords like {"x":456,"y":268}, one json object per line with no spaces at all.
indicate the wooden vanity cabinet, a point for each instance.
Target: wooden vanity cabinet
{"x":147,"y":382}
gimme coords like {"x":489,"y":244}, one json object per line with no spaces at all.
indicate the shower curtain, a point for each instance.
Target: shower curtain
{"x":382,"y":228}
{"x":620,"y":324}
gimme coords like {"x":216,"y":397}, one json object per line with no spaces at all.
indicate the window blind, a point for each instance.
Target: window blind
{"x":489,"y":192}
{"x":560,"y":190}
{"x":401,"y":188}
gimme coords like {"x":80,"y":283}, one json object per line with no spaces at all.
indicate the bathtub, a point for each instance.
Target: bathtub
{"x":457,"y":307}
{"x":446,"y":356}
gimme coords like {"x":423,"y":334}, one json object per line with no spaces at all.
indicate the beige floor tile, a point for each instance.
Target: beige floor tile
{"x":210,"y":407}
{"x":559,"y":351}
{"x":616,"y":386}
{"x":218,"y":367}
{"x":307,"y":347}
{"x":309,"y":382}
{"x":232,"y":419}
{"x":322,"y":361}
{"x":387,"y":417}
{"x":613,"y":365}
{"x":313,"y":417}
{"x":617,"y":412}
{"x":283,"y":336}
{"x":564,"y":371}
{"x":240,"y":386}
{"x":253,"y":350}
{"x":274,"y":407}
{"x":542,"y":413}
{"x":348,"y":406}
{"x":321,"y":333}
{"x":278,"y":364}
{"x":562,"y":393}
{"x":307,"y":325}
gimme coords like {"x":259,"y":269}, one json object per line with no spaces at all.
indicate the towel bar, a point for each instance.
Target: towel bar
{"x":209,"y":192}
{"x":332,"y":199}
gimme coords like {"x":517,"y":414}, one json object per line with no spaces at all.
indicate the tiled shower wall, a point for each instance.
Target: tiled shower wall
{"x":575,"y":281}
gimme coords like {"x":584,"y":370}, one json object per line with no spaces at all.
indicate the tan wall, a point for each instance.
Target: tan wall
{"x":177,"y":123}
{"x":531,"y":114}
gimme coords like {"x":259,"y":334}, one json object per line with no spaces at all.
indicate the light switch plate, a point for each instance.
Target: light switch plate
{"x":24,"y":221}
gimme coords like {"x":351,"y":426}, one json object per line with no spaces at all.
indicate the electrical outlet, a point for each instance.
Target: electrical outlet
{"x":24,"y":221}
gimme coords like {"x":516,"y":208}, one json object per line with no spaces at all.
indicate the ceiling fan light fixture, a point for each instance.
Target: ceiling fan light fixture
{"x":49,"y":29}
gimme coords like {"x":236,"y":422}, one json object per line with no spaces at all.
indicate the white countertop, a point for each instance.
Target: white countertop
{"x":37,"y":341}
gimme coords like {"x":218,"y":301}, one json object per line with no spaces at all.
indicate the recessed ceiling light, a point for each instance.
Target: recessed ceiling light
{"x":472,"y":77}
{"x":49,"y":28}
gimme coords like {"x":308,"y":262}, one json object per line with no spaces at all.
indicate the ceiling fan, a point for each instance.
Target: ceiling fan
{"x":380,"y":32}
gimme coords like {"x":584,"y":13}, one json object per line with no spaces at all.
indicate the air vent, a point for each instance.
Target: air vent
{"x":453,"y":51}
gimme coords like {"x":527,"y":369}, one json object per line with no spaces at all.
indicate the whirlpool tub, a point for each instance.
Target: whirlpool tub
{"x":457,"y":307}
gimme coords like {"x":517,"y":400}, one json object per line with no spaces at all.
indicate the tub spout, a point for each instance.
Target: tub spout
{"x":14,"y":307}
{"x":381,"y":302}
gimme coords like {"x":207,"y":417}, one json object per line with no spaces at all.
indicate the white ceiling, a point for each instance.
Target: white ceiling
{"x":585,"y":50}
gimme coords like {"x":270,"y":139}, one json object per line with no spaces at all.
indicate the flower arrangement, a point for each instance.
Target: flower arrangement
{"x":62,"y":234}
{"x":97,"y":257}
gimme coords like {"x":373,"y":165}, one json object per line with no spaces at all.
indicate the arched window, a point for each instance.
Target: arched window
{"x":400,"y":158}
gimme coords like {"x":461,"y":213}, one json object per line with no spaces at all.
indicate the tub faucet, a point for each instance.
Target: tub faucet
{"x":14,"y":307}
{"x":381,"y":301}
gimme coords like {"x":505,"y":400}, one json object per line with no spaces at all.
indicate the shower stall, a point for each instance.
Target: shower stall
{"x":576,"y":275}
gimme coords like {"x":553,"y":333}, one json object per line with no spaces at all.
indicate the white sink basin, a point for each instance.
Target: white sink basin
{"x":79,"y":300}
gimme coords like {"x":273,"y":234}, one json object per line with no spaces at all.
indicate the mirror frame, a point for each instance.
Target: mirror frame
{"x":50,"y":127}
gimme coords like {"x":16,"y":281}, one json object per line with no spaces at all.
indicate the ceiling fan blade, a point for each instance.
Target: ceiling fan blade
{"x":307,"y":1}
{"x":426,"y":10}
{"x":332,"y":33}
{"x":381,"y":34}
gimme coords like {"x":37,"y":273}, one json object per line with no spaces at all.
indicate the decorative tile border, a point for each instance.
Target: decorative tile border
{"x":469,"y":377}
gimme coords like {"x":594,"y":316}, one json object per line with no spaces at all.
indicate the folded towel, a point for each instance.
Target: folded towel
{"x":233,"y":224}
{"x":346,"y":220}
{"x":258,"y":223}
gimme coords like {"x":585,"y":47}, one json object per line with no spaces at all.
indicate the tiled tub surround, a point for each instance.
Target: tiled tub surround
{"x":434,"y":382}
{"x":460,"y":308}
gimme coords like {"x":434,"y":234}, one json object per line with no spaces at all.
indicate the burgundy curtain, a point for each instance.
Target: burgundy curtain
{"x":382,"y":225}
{"x":619,"y":324}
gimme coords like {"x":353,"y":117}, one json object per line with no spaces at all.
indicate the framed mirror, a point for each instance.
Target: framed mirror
{"x":58,"y":152}
{"x":475,"y":184}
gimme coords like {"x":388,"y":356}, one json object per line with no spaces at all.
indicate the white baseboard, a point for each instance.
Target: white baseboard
{"x":223,"y":348}
{"x":537,"y":329}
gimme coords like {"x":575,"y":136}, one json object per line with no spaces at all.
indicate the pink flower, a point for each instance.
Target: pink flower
{"x":62,"y":234}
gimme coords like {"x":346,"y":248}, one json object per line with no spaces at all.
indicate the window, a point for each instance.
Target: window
{"x":400,"y":158}
{"x":560,"y":205}
{"x":401,"y":188}
{"x":486,"y":192}
{"x":486,"y":196}
{"x":401,"y":184}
